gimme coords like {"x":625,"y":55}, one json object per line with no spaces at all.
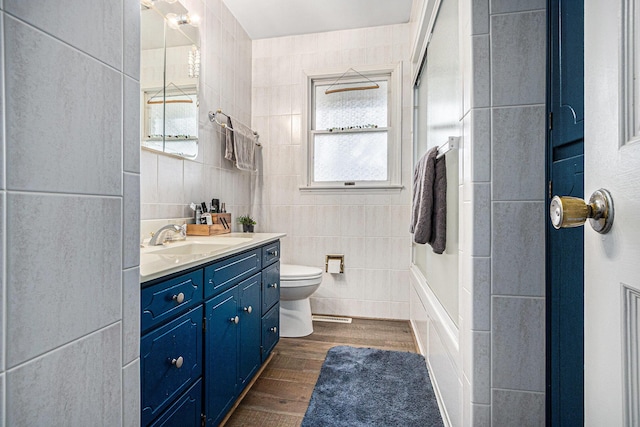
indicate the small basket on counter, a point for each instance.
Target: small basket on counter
{"x":221,"y":225}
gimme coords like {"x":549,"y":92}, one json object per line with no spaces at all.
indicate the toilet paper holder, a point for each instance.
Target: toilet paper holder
{"x":328,"y":258}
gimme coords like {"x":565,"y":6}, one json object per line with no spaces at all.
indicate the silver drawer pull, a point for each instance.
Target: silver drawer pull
{"x":273,"y":253}
{"x":178,"y":362}
{"x":235,"y":320}
{"x":248,"y":309}
{"x":274,"y":329}
{"x":273,"y":285}
{"x":178,"y":298}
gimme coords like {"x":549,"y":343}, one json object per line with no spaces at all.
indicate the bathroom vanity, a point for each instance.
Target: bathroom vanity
{"x":209,"y":320}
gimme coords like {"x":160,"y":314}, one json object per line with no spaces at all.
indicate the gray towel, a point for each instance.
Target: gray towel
{"x":423,"y":177}
{"x":229,"y":153}
{"x":438,"y":239}
{"x":429,"y":213}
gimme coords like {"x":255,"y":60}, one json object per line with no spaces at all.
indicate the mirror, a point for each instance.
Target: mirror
{"x":169,"y":77}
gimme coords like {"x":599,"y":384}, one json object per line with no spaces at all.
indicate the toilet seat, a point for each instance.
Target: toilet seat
{"x":291,"y":272}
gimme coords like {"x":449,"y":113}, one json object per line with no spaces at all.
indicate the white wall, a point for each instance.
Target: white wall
{"x":370,"y":229}
{"x":169,"y":184}
{"x":70,"y":208}
{"x":491,"y":370}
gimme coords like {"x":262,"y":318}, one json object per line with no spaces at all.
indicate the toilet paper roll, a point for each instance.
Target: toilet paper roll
{"x":333,"y":266}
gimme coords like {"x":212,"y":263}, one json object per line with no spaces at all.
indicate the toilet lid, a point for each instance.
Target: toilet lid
{"x":298,"y":272}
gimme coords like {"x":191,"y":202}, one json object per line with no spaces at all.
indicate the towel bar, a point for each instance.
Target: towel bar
{"x":452,"y":144}
{"x":213,"y":117}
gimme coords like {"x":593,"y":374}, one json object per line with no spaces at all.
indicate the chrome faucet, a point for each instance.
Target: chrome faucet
{"x":156,"y":241}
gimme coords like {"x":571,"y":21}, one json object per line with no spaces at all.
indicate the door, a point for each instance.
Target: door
{"x":565,"y":247}
{"x":250,"y":332}
{"x":221,"y":354}
{"x":612,"y":260}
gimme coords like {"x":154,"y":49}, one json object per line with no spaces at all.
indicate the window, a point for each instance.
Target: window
{"x":354,"y":135}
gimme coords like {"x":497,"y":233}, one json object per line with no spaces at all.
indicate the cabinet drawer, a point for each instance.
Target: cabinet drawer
{"x":226,"y":273}
{"x":171,"y":360}
{"x":270,"y":286}
{"x":270,"y":330}
{"x":170,"y":298}
{"x":185,"y":412}
{"x":270,"y":253}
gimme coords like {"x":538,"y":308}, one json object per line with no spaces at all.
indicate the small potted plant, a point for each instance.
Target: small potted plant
{"x":247,"y":223}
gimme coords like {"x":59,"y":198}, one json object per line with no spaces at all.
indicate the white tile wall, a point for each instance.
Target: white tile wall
{"x":71,"y":209}
{"x":370,"y":229}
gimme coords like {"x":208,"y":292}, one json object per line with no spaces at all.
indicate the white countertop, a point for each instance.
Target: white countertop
{"x":154,"y":263}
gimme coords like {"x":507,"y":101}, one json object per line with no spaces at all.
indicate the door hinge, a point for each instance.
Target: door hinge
{"x":261,"y":350}
{"x":203,"y":420}
{"x":204,"y":324}
{"x":550,"y":189}
{"x":550,"y":120}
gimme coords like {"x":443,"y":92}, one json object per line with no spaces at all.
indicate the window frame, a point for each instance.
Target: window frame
{"x":394,"y":130}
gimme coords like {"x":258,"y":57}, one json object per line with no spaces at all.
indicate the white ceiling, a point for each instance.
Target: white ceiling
{"x":275,"y":18}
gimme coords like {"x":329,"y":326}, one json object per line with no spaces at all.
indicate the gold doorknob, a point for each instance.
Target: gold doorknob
{"x":568,"y":212}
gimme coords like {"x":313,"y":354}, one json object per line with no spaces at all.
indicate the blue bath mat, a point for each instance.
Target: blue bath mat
{"x":372,"y":388}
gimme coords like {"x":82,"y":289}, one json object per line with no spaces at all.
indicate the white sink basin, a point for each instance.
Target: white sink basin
{"x":227,"y":241}
{"x":211,"y":245}
{"x":191,"y":249}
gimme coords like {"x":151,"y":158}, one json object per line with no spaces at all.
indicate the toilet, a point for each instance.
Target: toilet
{"x":297,"y":283}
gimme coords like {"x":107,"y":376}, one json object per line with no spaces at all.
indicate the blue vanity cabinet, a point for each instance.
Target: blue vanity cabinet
{"x":205,"y":334}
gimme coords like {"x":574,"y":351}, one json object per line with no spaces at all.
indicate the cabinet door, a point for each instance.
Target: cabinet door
{"x":270,"y":330}
{"x":185,"y":412}
{"x":221,"y":354}
{"x":171,"y":359}
{"x":270,"y":286}
{"x":249,"y":351}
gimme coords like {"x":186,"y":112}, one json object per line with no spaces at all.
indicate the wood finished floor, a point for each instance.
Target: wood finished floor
{"x":280,"y":396}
